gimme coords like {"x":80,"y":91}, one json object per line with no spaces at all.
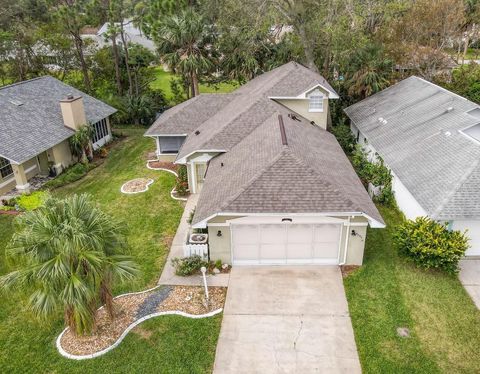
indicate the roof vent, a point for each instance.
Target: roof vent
{"x":16,"y":102}
{"x":312,"y":123}
{"x":197,"y":132}
{"x":221,"y":164}
{"x":382,"y":120}
{"x":448,"y":133}
{"x":69,"y":97}
{"x":449,"y":109}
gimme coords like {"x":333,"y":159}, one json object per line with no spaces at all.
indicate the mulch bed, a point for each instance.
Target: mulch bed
{"x":136,"y":185}
{"x":348,"y":269}
{"x":163,"y":165}
{"x":10,"y":212}
{"x":130,"y":308}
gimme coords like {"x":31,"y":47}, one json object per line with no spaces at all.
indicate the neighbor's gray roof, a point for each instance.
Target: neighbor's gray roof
{"x":310,"y":174}
{"x":36,"y":125}
{"x":441,"y":171}
{"x":251,"y":107}
{"x":184,"y":118}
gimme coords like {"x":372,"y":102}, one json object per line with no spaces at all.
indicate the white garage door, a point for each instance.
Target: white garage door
{"x":285,"y":244}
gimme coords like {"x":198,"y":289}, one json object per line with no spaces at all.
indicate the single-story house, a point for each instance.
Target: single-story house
{"x":37,"y":118}
{"x":274,"y":186}
{"x":429,"y":137}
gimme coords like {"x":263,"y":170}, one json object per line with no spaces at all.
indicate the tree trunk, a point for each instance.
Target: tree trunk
{"x":116,"y":60}
{"x":107,"y":299}
{"x":125,"y":47}
{"x":195,"y":88}
{"x":81,"y":57}
{"x":307,"y":48}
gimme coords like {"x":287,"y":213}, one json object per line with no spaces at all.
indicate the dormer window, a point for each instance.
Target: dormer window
{"x":315,"y":99}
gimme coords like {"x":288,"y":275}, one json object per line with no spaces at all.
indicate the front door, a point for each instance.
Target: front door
{"x":200,"y":170}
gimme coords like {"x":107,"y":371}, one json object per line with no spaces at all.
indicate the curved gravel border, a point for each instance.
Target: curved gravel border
{"x":122,"y":189}
{"x":130,"y":327}
{"x":170,"y":171}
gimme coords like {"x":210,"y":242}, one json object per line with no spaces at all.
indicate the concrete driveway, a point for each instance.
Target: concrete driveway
{"x":470,"y":277}
{"x":286,"y":320}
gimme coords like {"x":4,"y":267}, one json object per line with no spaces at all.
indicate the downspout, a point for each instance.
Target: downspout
{"x":346,"y":242}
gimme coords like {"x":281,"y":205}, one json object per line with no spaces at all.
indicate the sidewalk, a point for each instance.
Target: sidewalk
{"x":168,"y":276}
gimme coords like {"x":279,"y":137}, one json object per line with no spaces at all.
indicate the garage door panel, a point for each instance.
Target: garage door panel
{"x":246,"y":252}
{"x":300,"y":234}
{"x":299,"y":251}
{"x":246,"y":234}
{"x":272,"y":251}
{"x":326,"y":233}
{"x":273,"y":234}
{"x":325,"y":250}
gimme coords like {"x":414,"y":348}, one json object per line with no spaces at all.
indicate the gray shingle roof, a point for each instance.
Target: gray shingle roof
{"x":184,"y":118}
{"x":36,"y":125}
{"x":251,"y":106}
{"x":423,"y":144}
{"x":260,"y":175}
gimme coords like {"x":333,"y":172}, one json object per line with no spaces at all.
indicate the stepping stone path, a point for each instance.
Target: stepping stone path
{"x":151,"y":303}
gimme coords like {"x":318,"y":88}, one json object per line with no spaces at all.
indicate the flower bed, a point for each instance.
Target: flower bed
{"x":162,"y":165}
{"x":131,"y":309}
{"x":136,"y":185}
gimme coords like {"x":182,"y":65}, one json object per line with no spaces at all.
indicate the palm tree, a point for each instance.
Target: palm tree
{"x":81,"y":143}
{"x":138,"y":109}
{"x":69,"y":254}
{"x":185,"y":42}
{"x":369,"y":72}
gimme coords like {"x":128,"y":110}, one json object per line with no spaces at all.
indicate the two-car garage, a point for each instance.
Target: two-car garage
{"x":290,"y":241}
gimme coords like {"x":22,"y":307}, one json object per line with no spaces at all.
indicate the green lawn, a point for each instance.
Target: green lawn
{"x":162,"y":82}
{"x":168,"y":344}
{"x":388,"y":292}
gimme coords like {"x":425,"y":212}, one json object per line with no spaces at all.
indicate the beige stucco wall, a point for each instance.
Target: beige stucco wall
{"x":219,"y":246}
{"x":300,"y":106}
{"x":167,"y":158}
{"x":61,"y":156}
{"x":73,"y":112}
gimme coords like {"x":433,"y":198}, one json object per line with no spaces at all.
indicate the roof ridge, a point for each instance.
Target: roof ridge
{"x":454,"y":190}
{"x":307,"y":167}
{"x":252,"y":180}
{"x":25,"y":81}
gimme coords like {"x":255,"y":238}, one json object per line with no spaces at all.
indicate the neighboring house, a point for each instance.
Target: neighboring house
{"x":430,"y":139}
{"x":132,"y":35}
{"x":275,"y":187}
{"x":37,"y":117}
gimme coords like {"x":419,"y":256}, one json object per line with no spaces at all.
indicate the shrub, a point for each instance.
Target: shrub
{"x":181,"y":185}
{"x":344,"y":137}
{"x":27,"y":202}
{"x":430,"y":244}
{"x":188,"y":265}
{"x":70,"y":175}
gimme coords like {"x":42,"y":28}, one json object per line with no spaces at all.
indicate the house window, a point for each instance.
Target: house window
{"x":315,"y":101}
{"x":100,"y":130}
{"x":170,"y":144}
{"x":5,"y":168}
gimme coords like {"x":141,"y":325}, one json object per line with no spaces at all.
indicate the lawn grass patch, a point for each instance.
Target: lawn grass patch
{"x":162,"y":82}
{"x":389,"y":292}
{"x":174,"y":344}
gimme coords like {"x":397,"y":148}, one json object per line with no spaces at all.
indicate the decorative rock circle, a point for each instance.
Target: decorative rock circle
{"x":136,"y":185}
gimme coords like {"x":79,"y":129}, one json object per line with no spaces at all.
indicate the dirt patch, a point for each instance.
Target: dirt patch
{"x":136,"y":185}
{"x":163,"y":165}
{"x":348,"y":269}
{"x":191,"y":299}
{"x":131,"y":308}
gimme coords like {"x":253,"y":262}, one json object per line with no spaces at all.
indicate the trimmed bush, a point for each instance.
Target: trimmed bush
{"x":430,"y":244}
{"x":27,"y":202}
{"x":181,"y":185}
{"x":70,"y":175}
{"x":188,"y":265}
{"x":344,"y":137}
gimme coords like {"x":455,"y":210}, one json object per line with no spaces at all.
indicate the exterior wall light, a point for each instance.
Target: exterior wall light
{"x":219,"y":233}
